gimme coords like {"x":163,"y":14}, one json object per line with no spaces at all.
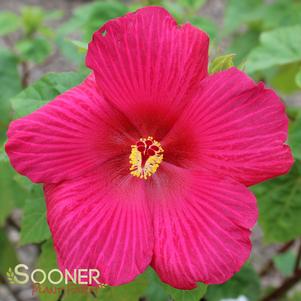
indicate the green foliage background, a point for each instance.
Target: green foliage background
{"x":261,"y":37}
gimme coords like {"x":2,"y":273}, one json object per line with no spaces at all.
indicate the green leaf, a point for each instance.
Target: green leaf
{"x":54,"y":15}
{"x":186,"y":295}
{"x":285,"y":263}
{"x":7,"y":192}
{"x":88,"y":18}
{"x":127,"y":292}
{"x":9,"y":22}
{"x":221,"y":63}
{"x":194,"y":5}
{"x":80,"y":45}
{"x":243,"y":44}
{"x":239,"y":12}
{"x":259,"y":15}
{"x":8,"y":257}
{"x":294,"y":137}
{"x":44,"y":90}
{"x":206,"y":25}
{"x":277,"y":47}
{"x":281,"y":13}
{"x":92,"y":16}
{"x":293,"y":113}
{"x":47,"y":261}
{"x":284,"y":79}
{"x":34,"y":227}
{"x":32,"y":17}
{"x":159,"y":291}
{"x":10,"y":85}
{"x":149,"y":285}
{"x":35,"y":50}
{"x":47,"y":32}
{"x":11,"y":194}
{"x":177,"y":10}
{"x":85,"y":21}
{"x":244,"y":283}
{"x":298,"y":78}
{"x":280,"y":207}
{"x":70,"y":51}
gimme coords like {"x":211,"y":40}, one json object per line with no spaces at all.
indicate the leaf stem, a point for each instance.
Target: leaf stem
{"x":25,"y":77}
{"x":284,"y":288}
{"x":60,"y":298}
{"x":298,"y":259}
{"x":270,"y":264}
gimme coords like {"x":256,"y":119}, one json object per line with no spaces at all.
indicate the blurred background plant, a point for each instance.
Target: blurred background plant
{"x":261,"y":37}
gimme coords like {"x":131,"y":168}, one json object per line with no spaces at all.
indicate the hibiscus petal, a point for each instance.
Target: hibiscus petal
{"x":100,"y":223}
{"x":68,"y":137}
{"x":145,"y":58}
{"x":202,"y":231}
{"x":239,"y":128}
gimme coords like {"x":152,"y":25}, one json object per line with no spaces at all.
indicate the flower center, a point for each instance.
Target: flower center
{"x":145,"y":157}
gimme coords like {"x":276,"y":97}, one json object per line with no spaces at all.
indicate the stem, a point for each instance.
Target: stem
{"x":60,"y":298}
{"x":298,"y":259}
{"x":284,"y":288}
{"x":25,"y":71}
{"x":270,"y":264}
{"x":25,"y":74}
{"x":48,"y":61}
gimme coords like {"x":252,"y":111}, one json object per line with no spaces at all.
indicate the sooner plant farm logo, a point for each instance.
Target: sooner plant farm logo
{"x":21,"y":274}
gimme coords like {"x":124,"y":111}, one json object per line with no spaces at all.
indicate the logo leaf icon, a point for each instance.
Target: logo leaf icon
{"x":11,"y":276}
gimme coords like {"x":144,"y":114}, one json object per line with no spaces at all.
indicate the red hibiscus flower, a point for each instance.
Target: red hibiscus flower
{"x":147,"y":162}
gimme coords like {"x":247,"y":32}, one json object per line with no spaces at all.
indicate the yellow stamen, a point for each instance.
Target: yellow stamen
{"x":145,"y":157}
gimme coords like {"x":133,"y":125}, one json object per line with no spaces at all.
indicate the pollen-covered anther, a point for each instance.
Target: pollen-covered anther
{"x":145,"y":157}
